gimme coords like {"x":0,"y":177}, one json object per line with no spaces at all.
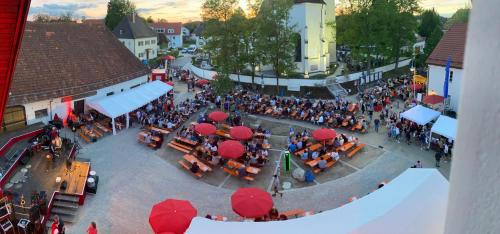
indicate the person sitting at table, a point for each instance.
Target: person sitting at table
{"x":315,"y":154}
{"x":242,"y":171}
{"x":264,"y":153}
{"x":344,"y":139}
{"x":292,"y":147}
{"x":261,"y":160}
{"x":147,"y":138}
{"x":335,"y":155}
{"x":305,"y":155}
{"x":195,"y":168}
{"x":322,"y":164}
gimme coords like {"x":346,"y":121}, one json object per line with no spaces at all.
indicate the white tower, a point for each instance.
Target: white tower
{"x":330,"y":32}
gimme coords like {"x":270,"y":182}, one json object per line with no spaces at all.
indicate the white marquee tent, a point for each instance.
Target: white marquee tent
{"x":414,"y":202}
{"x":445,"y":126}
{"x":130,"y":100}
{"x":420,"y":115}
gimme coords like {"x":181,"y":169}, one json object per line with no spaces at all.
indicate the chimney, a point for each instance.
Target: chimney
{"x":133,"y":17}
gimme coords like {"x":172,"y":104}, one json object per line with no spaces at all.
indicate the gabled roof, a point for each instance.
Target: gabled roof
{"x":133,"y":27}
{"x":198,"y":31}
{"x":176,"y":26}
{"x":451,"y":45}
{"x":70,"y":59}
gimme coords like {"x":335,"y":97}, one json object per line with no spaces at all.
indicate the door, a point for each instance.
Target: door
{"x":79,"y":107}
{"x":14,"y":118}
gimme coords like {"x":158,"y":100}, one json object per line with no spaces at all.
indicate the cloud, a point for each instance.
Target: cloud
{"x":59,"y":9}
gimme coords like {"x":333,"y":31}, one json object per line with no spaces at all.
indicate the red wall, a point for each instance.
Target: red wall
{"x":13,"y":15}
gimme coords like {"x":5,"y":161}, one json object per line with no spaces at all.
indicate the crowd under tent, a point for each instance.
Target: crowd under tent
{"x":128,"y":101}
{"x":445,"y":126}
{"x":420,"y":115}
{"x":415,"y":202}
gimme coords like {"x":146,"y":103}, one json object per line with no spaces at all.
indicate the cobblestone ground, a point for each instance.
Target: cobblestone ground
{"x":133,"y":178}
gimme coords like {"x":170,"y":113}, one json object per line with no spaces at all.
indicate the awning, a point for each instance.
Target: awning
{"x":130,"y":100}
{"x":414,"y":202}
{"x":445,"y":126}
{"x":420,"y":115}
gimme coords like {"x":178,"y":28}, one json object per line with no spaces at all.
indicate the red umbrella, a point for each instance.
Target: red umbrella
{"x":251,"y":202}
{"x":433,"y":99}
{"x":217,"y":116}
{"x":323,"y":134}
{"x":231,"y":149}
{"x":241,"y":133}
{"x":170,"y":83}
{"x":169,"y":57}
{"x":205,"y":129}
{"x":202,"y":82}
{"x":171,"y":216}
{"x":416,"y":86}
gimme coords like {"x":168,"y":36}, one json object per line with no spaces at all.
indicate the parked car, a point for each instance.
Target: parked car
{"x":184,"y":50}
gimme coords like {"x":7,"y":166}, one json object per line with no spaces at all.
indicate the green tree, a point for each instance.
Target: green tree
{"x":150,"y":20}
{"x":460,"y":16}
{"x":117,"y":9}
{"x":432,"y":41}
{"x":42,"y":18}
{"x":223,"y":84}
{"x":277,"y":38}
{"x":67,"y":17}
{"x":429,"y":20}
{"x":238,"y":42}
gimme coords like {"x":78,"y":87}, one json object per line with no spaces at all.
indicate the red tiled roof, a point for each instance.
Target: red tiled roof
{"x":451,"y":45}
{"x":70,"y":59}
{"x":176,"y":26}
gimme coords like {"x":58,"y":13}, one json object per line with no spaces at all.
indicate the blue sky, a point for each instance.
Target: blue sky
{"x":178,"y":10}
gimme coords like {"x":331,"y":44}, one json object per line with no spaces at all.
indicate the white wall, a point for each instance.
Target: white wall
{"x":175,"y":41}
{"x":436,"y":83}
{"x":140,"y":50}
{"x":55,"y":106}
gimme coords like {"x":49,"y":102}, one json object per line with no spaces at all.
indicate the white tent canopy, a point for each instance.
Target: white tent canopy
{"x":420,"y":115}
{"x":130,"y":100}
{"x":414,"y":202}
{"x":445,"y":126}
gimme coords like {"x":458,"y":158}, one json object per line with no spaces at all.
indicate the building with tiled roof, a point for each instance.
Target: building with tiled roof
{"x":171,"y":30}
{"x":451,"y":46}
{"x":137,"y":36}
{"x":61,"y":65}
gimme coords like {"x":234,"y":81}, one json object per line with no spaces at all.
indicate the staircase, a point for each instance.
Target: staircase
{"x":335,"y":88}
{"x":65,"y":206}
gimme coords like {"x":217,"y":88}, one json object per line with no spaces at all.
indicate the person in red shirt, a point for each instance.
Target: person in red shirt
{"x":54,"y":228}
{"x":92,"y":228}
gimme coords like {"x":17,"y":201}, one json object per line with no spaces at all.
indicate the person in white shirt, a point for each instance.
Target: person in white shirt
{"x":315,"y":155}
{"x":335,"y":155}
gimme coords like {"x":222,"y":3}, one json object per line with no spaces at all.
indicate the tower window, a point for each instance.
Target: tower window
{"x":451,"y":76}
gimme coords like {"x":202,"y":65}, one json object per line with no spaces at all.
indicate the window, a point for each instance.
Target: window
{"x":173,"y":38}
{"x":451,"y":76}
{"x":298,"y":48}
{"x":147,"y":42}
{"x":140,"y":43}
{"x":41,"y":113}
{"x":110,"y":93}
{"x":170,"y":30}
{"x":121,"y":90}
{"x":141,"y":55}
{"x":160,"y":30}
{"x":153,"y":42}
{"x":121,"y":31}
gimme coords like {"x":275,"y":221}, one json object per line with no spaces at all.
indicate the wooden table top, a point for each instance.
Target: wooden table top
{"x":162,"y":131}
{"x":187,"y":141}
{"x":237,"y":165}
{"x":77,"y":178}
{"x":190,"y":158}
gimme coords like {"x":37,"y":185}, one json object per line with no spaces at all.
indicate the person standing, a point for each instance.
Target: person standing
{"x":437,"y":156}
{"x":92,"y":229}
{"x":54,"y":227}
{"x":276,"y":185}
{"x":376,"y":124}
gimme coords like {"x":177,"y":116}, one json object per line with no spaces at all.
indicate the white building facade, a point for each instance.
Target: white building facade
{"x":437,"y":75}
{"x":312,"y":20}
{"x":142,"y":48}
{"x":172,"y":31}
{"x":136,"y":35}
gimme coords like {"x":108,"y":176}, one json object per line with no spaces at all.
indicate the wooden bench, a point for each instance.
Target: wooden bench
{"x":186,"y":166}
{"x":328,"y":165}
{"x":177,"y":147}
{"x":99,"y":134}
{"x":293,"y":213}
{"x":355,"y":150}
{"x":235,"y":173}
{"x":85,"y":138}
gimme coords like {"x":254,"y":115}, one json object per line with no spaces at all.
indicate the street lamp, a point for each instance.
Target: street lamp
{"x":414,"y":72}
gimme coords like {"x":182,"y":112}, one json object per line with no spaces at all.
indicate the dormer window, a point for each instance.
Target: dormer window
{"x":121,"y":31}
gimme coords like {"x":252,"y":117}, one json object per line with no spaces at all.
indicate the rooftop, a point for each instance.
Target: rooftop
{"x":451,"y":45}
{"x":133,"y":27}
{"x":176,"y":26}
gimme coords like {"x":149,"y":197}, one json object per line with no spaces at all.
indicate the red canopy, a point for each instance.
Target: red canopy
{"x":241,"y":133}
{"x":433,"y":99}
{"x":251,"y":202}
{"x":323,"y":134}
{"x":231,"y":149}
{"x":169,"y":57}
{"x":171,"y":216}
{"x":202,"y":82}
{"x":205,"y":129}
{"x":170,"y":83}
{"x":217,"y":116}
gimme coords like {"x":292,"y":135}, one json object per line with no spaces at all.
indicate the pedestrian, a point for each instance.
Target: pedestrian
{"x":376,"y":124}
{"x":54,"y":227}
{"x":276,"y":185}
{"x":438,"y":158}
{"x":92,"y":229}
{"x":419,"y":164}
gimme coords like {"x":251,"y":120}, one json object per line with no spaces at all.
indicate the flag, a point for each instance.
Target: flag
{"x":446,"y":78}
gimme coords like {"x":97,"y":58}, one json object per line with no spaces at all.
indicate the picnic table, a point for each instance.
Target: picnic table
{"x":143,"y":135}
{"x":346,"y":146}
{"x":192,"y":159}
{"x":222,"y":133}
{"x":237,"y":165}
{"x":160,"y":130}
{"x":315,"y":162}
{"x":187,"y":141}
{"x":102,"y":128}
